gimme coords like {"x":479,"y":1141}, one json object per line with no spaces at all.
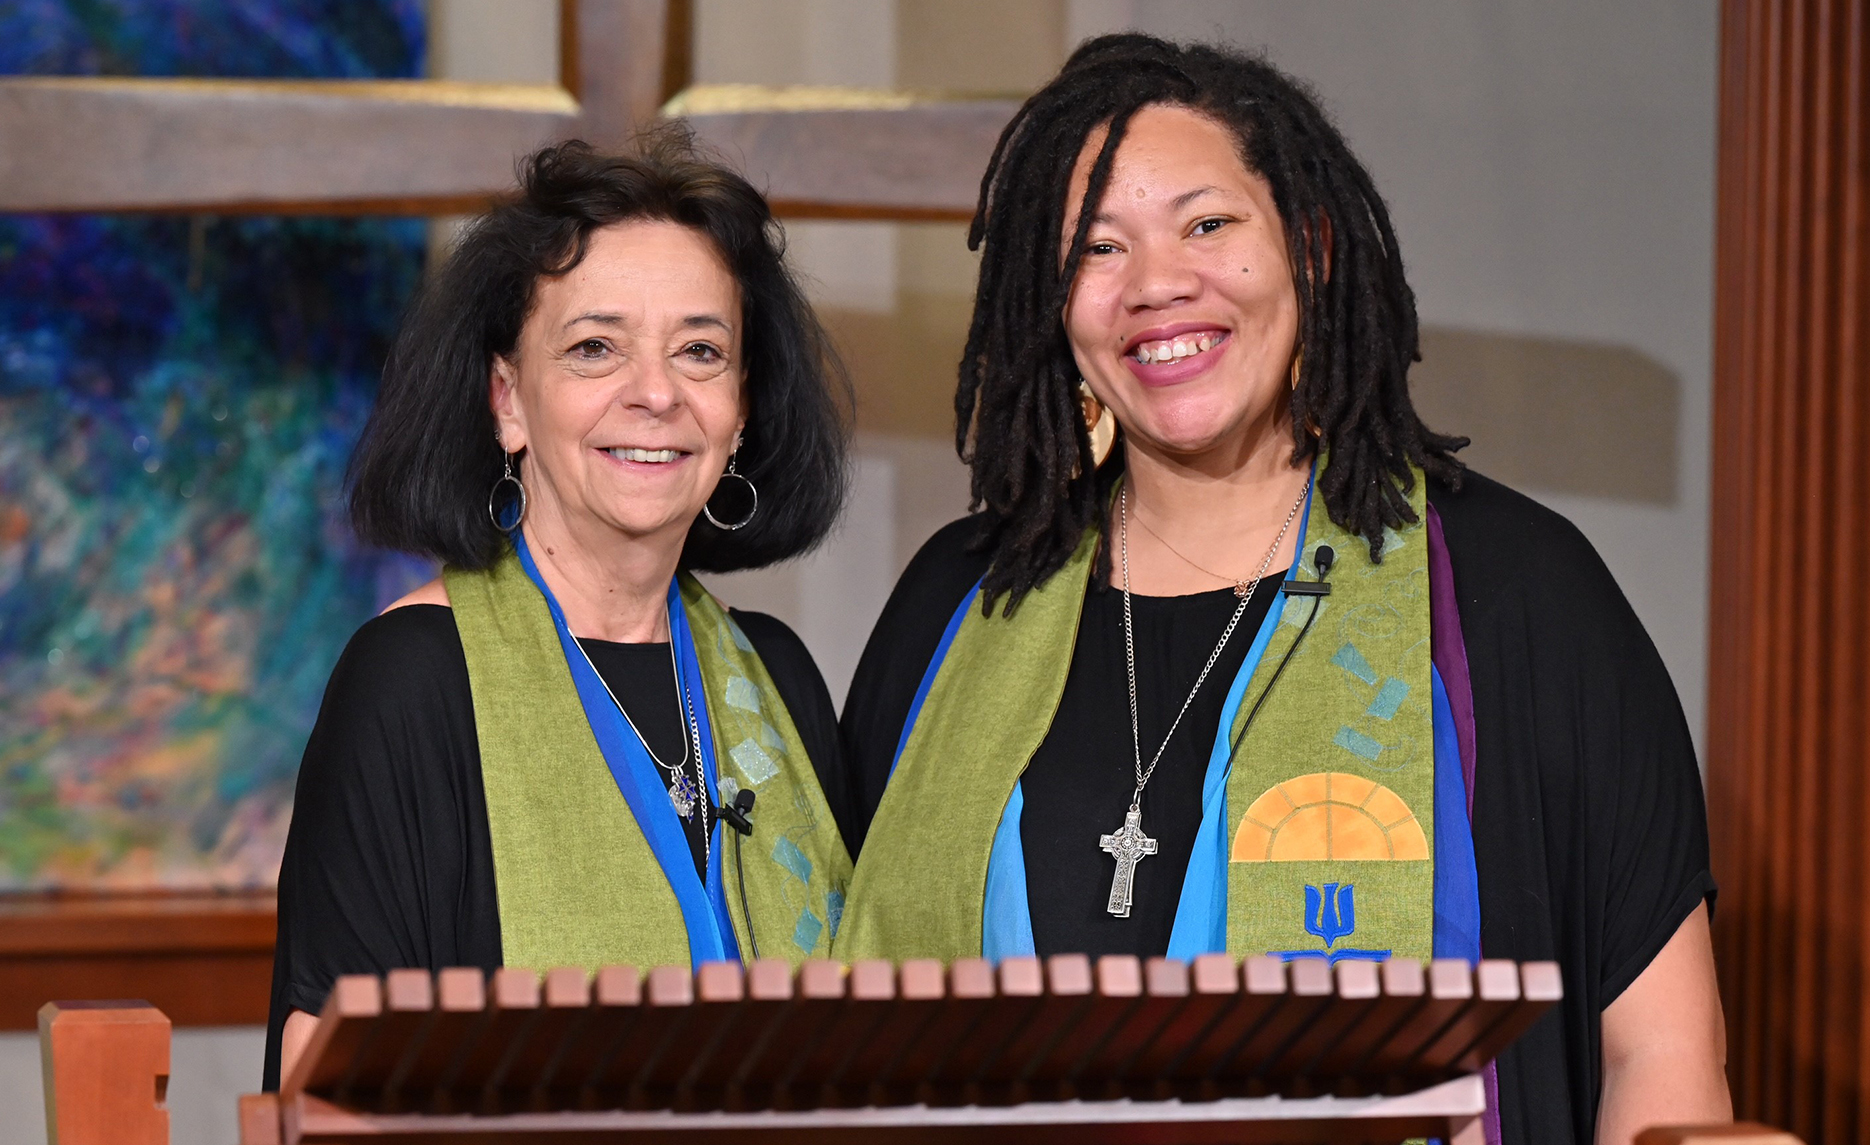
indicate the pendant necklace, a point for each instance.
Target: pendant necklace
{"x":1128,"y":844}
{"x":685,"y":790}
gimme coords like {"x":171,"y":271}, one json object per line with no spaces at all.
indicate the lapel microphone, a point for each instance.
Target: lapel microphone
{"x":736,"y":814}
{"x":1322,"y":559}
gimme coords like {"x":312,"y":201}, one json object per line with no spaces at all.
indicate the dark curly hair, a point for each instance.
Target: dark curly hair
{"x":1018,"y":423}
{"x":428,"y":457}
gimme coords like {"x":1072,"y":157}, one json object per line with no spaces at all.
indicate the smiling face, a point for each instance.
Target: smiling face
{"x":1183,"y":316}
{"x":627,"y":388}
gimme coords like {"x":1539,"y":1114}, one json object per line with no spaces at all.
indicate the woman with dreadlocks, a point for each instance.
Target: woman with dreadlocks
{"x":1274,"y":675}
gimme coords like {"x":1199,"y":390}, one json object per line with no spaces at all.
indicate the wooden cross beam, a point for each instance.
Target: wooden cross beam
{"x":437,"y":146}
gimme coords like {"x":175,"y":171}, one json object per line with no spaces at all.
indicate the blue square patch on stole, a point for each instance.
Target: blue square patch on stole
{"x":787,"y":854}
{"x":805,"y":935}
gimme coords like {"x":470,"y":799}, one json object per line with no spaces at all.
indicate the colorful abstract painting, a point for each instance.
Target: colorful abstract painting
{"x":178,"y":399}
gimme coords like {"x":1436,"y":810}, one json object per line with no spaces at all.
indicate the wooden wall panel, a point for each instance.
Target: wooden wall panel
{"x":1789,"y":642}
{"x":202,"y":959}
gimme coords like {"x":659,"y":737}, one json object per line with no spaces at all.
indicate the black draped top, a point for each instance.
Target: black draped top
{"x":1590,"y":832}
{"x":389,"y":861}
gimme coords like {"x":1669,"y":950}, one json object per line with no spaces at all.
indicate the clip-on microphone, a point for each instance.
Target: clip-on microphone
{"x":738,"y":815}
{"x":1322,"y":560}
{"x":735,"y":816}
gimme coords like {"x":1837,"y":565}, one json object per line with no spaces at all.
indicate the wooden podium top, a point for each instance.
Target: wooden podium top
{"x":1066,"y":1049}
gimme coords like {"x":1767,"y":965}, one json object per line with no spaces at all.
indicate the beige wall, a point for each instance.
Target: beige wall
{"x":1550,"y":171}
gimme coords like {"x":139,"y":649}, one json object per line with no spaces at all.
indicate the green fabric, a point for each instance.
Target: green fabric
{"x":576,"y":882}
{"x":920,"y":884}
{"x":1347,"y":736}
{"x":922,"y":877}
{"x":796,"y":866}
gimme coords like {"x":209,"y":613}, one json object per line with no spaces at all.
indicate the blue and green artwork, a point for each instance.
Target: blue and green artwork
{"x":179,"y":396}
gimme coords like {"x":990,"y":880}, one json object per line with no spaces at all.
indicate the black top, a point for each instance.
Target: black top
{"x":1589,"y":829}
{"x":389,"y":862}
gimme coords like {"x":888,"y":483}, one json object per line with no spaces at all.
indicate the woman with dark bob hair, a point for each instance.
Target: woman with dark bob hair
{"x":1234,"y":655}
{"x":612,"y":383}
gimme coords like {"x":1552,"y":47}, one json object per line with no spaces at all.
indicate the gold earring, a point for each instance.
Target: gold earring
{"x":1098,"y":422}
{"x":1298,"y":366}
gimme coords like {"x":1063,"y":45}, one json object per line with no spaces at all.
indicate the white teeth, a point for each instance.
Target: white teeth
{"x":652,"y":455}
{"x":1176,"y":349}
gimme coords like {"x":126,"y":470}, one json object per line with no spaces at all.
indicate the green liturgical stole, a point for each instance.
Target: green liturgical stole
{"x":575,"y":878}
{"x":1331,"y":795}
{"x":1323,"y":846}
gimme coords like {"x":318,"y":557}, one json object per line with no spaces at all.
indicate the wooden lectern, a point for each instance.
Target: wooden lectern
{"x":1062,"y":1051}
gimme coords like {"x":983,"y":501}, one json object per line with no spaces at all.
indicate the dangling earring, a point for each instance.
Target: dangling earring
{"x":1103,"y":429}
{"x":506,"y":478}
{"x":753,"y":492}
{"x":1298,"y":368}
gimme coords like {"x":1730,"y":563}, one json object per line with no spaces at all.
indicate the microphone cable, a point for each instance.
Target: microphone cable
{"x":737,"y":816}
{"x":1323,"y":559}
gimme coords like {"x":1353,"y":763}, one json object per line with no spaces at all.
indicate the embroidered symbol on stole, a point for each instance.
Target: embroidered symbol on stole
{"x":1331,"y":914}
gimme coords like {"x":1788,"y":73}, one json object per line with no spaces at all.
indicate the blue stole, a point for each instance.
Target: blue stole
{"x":704,"y":908}
{"x":1201,"y":912}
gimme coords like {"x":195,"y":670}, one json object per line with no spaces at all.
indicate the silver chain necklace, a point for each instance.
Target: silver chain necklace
{"x":1128,"y":844}
{"x":685,"y":791}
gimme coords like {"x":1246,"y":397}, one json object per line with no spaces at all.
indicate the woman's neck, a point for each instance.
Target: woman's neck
{"x":610,"y":586}
{"x":1205,"y":523}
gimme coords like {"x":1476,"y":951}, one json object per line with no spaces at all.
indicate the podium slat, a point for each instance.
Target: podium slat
{"x":974,"y":989}
{"x":818,"y":994}
{"x":1356,"y":986}
{"x":845,"y":1028}
{"x":616,"y":997}
{"x":1213,"y":987}
{"x":703,"y":1085}
{"x":1250,"y":1070}
{"x":401,"y":1032}
{"x":703,"y":1004}
{"x":1098,"y":1076}
{"x":565,"y":1006}
{"x":513,"y":997}
{"x":922,"y":992}
{"x":727,"y":1081}
{"x":1541,"y":986}
{"x":1450,"y":992}
{"x":1404,"y":990}
{"x":348,"y":1020}
{"x":1259,"y":988}
{"x":460,"y":1001}
{"x":1064,"y":998}
{"x":1496,"y":993}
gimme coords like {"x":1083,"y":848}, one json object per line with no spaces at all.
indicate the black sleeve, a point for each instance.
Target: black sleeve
{"x":802,"y":687}
{"x":388,"y":862}
{"x":900,"y":648}
{"x":1590,"y":830}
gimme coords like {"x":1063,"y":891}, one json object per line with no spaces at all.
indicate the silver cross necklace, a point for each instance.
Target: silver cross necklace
{"x":1128,"y":844}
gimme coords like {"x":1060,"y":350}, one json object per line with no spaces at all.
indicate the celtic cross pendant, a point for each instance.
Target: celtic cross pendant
{"x":1127,"y":845}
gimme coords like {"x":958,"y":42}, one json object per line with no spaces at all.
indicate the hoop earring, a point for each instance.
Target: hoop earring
{"x":1298,"y":366}
{"x":1103,"y":430}
{"x":752,"y":512}
{"x":506,"y":478}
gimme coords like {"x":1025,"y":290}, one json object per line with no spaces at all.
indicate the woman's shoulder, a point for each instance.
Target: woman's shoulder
{"x":779,"y":647}
{"x":404,"y":668}
{"x":1502,"y":541}
{"x":943,"y":571}
{"x":1525,"y":573}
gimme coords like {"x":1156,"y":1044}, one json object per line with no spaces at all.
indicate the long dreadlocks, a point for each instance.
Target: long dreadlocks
{"x":1017,"y":419}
